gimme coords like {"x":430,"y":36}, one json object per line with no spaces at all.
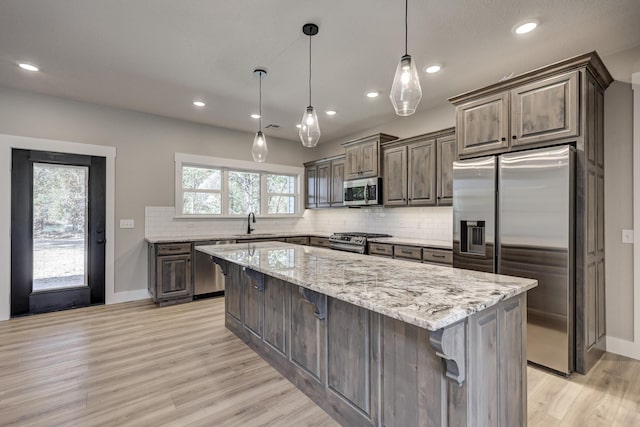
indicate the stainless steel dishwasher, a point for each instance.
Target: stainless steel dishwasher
{"x":208,"y":276}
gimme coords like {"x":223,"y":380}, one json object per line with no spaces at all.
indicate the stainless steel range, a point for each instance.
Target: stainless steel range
{"x":352,"y":242}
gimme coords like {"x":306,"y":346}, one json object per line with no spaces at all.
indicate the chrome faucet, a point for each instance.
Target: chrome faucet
{"x":249,"y":229}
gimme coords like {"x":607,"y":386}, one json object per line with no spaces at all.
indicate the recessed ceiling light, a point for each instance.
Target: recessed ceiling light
{"x":298,"y":125}
{"x":199,"y":103}
{"x":373,"y":94}
{"x":28,"y":67}
{"x":526,"y":27}
{"x":330,"y":113}
{"x":432,"y":69}
{"x":255,"y":116}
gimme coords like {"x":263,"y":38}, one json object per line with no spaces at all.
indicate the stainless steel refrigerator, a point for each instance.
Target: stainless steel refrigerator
{"x":514,"y":214}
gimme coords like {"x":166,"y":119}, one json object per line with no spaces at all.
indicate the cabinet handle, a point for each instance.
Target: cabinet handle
{"x":406,"y":252}
{"x":437,"y":256}
{"x":514,"y":137}
{"x":504,"y":139}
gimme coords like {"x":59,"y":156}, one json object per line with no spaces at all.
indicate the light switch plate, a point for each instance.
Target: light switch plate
{"x":127,"y":223}
{"x":627,"y":236}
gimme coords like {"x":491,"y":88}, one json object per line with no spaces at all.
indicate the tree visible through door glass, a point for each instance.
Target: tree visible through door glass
{"x":60,"y":207}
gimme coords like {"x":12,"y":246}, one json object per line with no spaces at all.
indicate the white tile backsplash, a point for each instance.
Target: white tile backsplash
{"x":430,"y":223}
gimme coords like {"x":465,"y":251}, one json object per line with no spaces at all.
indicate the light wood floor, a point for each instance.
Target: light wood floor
{"x":134,"y":365}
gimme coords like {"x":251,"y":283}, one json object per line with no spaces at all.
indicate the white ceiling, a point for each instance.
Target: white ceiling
{"x":157,"y":56}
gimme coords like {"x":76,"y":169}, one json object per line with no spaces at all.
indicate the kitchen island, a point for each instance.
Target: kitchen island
{"x":381,"y":341}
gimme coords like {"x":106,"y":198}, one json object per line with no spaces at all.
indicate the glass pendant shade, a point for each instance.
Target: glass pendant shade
{"x":405,"y":91}
{"x":309,"y":128}
{"x":259,"y":150}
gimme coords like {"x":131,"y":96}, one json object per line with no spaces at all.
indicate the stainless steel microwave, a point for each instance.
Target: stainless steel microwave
{"x":363,"y":192}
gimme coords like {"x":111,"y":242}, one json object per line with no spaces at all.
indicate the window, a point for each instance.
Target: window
{"x":207,"y":186}
{"x":201,"y":191}
{"x":281,"y":194}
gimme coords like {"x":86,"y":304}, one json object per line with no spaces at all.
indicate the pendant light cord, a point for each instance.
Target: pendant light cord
{"x":406,"y":26}
{"x":309,"y":70}
{"x":260,"y":106}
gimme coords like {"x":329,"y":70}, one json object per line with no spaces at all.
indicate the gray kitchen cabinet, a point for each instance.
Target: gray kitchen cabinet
{"x":418,"y":171}
{"x":394,"y":188}
{"x":323,"y":190}
{"x":253,"y":295}
{"x":323,"y":179}
{"x":381,"y":249}
{"x":446,"y":152}
{"x":421,"y":174}
{"x":408,"y":253}
{"x":437,"y":256}
{"x":321,"y":242}
{"x":536,"y":109}
{"x":275,"y":314}
{"x":310,"y":179}
{"x":545,"y":110}
{"x":298,"y":240}
{"x":482,"y":125}
{"x":307,"y":336}
{"x":337,"y":180}
{"x":170,"y":280}
{"x":362,"y":159}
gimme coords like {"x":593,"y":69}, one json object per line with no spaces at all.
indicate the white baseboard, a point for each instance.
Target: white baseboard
{"x":127,"y":296}
{"x":623,"y":347}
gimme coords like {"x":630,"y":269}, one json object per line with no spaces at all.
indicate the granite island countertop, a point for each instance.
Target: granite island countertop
{"x":428,"y":296}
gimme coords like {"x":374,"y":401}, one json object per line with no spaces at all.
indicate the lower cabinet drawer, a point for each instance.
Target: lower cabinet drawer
{"x":319,"y":241}
{"x":380,"y":249}
{"x":173,"y":249}
{"x":303,"y":240}
{"x":437,"y":256}
{"x":407,"y":252}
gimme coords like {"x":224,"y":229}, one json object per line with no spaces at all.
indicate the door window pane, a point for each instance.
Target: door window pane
{"x":59,"y":226}
{"x":244,"y":193}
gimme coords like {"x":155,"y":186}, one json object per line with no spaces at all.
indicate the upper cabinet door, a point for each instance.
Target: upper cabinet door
{"x":324,"y":184}
{"x":369,"y":159}
{"x":311,"y":178}
{"x":483,"y":125}
{"x":394,"y":184}
{"x":544,"y":111}
{"x":446,"y":151}
{"x":337,"y":180}
{"x":351,"y":165}
{"x":422,"y":173}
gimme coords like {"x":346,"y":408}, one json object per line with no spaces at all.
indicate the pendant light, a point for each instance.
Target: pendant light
{"x":259,"y":150}
{"x":406,"y":92}
{"x":309,"y":127}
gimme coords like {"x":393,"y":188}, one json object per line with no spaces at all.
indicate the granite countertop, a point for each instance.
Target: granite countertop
{"x":275,"y":235}
{"x":424,"y":295}
{"x":409,"y":241}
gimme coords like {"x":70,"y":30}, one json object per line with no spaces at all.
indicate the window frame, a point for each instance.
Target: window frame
{"x":226,"y":165}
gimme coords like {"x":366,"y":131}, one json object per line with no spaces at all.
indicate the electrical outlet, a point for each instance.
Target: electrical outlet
{"x":627,"y":236}
{"x":127,"y":223}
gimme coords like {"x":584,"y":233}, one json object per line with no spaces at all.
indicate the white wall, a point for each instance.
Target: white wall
{"x":619,"y":209}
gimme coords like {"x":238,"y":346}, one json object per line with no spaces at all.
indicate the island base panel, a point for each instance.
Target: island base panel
{"x":366,"y":369}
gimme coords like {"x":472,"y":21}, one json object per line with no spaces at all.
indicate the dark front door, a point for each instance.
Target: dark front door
{"x":57,"y":231}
